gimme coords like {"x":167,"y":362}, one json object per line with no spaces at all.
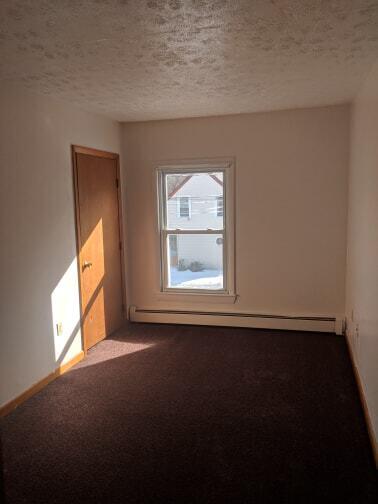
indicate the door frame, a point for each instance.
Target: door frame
{"x":78,"y":149}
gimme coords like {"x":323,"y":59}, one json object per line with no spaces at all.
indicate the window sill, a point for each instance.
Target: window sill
{"x":195,"y":297}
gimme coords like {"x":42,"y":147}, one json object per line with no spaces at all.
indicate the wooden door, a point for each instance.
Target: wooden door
{"x":99,"y":243}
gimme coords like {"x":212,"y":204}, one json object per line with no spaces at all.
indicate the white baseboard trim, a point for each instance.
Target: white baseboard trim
{"x":238,"y":319}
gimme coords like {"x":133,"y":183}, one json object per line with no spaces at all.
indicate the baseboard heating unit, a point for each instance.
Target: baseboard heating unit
{"x":237,"y":319}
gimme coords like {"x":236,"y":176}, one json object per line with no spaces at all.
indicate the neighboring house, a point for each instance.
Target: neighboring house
{"x":196,"y":203}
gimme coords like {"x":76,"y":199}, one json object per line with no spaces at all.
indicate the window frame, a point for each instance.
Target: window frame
{"x":227,"y":232}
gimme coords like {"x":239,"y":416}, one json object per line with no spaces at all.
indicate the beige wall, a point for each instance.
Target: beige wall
{"x":291,"y":204}
{"x":362,"y":264}
{"x":39,"y":284}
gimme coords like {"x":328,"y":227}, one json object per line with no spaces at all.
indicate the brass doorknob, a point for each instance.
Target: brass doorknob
{"x":86,"y":264}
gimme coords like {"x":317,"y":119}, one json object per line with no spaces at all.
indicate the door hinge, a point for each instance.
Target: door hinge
{"x":123,"y":307}
{"x":120,"y":245}
{"x":117,"y":183}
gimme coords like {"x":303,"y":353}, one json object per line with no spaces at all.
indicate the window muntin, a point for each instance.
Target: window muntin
{"x":193,"y":242}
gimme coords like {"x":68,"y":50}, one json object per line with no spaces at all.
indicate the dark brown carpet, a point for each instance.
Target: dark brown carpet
{"x":178,"y":414}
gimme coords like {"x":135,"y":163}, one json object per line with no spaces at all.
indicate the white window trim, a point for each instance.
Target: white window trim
{"x":228,"y":231}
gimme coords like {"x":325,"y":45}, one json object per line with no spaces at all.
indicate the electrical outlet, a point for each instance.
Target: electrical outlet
{"x":59,"y":329}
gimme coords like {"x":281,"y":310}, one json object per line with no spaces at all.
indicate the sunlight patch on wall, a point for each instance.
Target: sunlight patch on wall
{"x":65,"y":305}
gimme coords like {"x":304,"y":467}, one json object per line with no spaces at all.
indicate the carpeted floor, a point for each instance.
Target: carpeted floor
{"x":177,"y":414}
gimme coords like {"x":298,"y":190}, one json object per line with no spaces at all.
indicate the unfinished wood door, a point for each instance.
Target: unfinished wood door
{"x":99,"y":240}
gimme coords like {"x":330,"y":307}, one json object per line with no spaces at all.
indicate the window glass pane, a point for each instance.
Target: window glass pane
{"x":192,"y":200}
{"x":195,"y":261}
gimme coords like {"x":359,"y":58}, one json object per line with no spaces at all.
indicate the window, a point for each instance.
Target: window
{"x":196,"y":229}
{"x":220,"y":206}
{"x":183,"y":206}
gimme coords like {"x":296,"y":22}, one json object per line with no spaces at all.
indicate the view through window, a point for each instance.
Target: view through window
{"x":193,"y":230}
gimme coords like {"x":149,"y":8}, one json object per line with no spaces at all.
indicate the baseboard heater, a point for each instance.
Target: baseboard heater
{"x":237,"y":319}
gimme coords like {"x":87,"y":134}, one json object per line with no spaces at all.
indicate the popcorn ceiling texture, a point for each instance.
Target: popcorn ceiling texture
{"x":154,"y":59}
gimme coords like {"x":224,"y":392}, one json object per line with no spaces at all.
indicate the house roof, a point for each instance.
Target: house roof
{"x":180,"y":184}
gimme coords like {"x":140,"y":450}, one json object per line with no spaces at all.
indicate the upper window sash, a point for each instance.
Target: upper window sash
{"x":170,"y":214}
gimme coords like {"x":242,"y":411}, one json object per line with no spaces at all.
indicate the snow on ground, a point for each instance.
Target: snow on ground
{"x":206,"y":279}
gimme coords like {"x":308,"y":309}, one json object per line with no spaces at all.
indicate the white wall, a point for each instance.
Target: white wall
{"x":39,"y":284}
{"x":362,"y":263}
{"x":291,"y":204}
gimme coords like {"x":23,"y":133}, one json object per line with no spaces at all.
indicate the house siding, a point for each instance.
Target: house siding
{"x":203,"y":192}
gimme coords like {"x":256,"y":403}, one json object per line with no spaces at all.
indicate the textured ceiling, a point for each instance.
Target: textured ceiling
{"x":155,"y":59}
